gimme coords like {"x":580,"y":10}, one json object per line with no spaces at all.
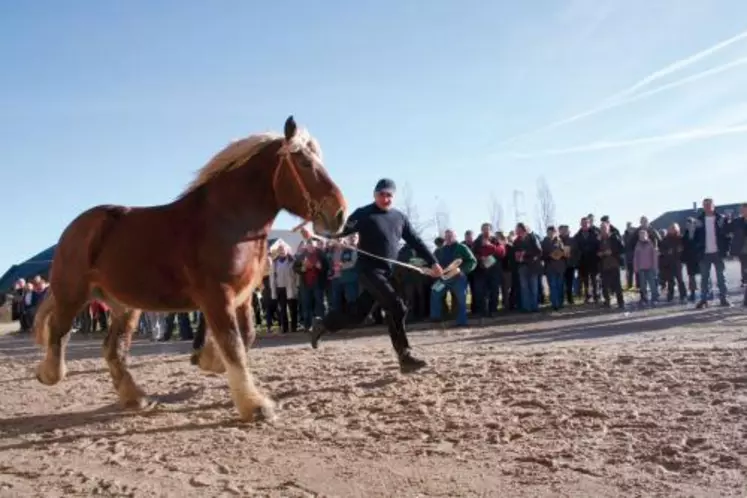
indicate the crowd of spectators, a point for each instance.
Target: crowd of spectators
{"x":499,"y":272}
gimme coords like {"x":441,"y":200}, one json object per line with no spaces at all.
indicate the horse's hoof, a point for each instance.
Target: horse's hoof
{"x":43,"y":377}
{"x":195,"y":358}
{"x":264,"y":412}
{"x":208,"y":361}
{"x":143,"y":403}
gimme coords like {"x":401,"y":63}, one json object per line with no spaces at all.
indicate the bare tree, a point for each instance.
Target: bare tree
{"x":495,"y":213}
{"x":408,"y":207}
{"x":545,"y":206}
{"x":442,"y":218}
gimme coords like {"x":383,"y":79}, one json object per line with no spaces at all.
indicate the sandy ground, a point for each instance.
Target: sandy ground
{"x":648,"y":403}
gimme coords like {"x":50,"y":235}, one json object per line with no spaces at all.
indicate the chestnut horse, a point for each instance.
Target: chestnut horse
{"x":206,"y":250}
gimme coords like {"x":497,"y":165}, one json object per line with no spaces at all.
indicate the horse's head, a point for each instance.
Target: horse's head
{"x":302,"y":185}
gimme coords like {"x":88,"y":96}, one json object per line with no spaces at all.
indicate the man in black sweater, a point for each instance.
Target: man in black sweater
{"x":380,"y":228}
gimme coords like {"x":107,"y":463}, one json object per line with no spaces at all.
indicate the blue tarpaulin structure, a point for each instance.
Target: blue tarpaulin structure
{"x":37,"y":265}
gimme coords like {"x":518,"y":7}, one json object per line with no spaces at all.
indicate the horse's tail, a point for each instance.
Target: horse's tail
{"x":41,"y":318}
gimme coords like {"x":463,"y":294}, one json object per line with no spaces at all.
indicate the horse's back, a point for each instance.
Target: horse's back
{"x":81,"y":239}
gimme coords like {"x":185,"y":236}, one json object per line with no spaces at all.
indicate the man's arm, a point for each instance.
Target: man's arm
{"x":730,"y":226}
{"x":414,"y":240}
{"x":469,"y":262}
{"x":619,"y":245}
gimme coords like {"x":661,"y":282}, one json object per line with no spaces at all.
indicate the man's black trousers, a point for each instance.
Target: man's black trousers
{"x":376,"y":287}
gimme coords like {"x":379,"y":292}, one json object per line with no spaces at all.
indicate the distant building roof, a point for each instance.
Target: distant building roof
{"x":681,"y":216}
{"x":36,"y":265}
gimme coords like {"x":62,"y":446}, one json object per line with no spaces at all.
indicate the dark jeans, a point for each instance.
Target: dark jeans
{"x":693,"y":269}
{"x":717,"y":262}
{"x":674,"y":276}
{"x":27,"y":318}
{"x":287,"y":306}
{"x":487,"y":285}
{"x":611,"y":285}
{"x":743,"y":266}
{"x":257,"y":309}
{"x":555,"y":283}
{"x":506,"y":290}
{"x":185,"y":326}
{"x":631,"y":279}
{"x":312,"y":304}
{"x":514,"y":295}
{"x":540,"y":290}
{"x":529,"y":285}
{"x":342,"y":293}
{"x":569,"y":276}
{"x":377,"y":287}
{"x":271,"y":312}
{"x":471,"y":287}
{"x":587,"y":274}
{"x":199,"y":339}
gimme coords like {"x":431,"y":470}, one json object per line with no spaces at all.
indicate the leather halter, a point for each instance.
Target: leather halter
{"x":313,"y":207}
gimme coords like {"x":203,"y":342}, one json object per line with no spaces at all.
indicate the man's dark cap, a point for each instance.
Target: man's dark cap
{"x":386,"y":185}
{"x":604,"y":219}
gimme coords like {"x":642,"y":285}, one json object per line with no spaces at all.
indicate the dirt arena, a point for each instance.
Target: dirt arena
{"x":643,"y":404}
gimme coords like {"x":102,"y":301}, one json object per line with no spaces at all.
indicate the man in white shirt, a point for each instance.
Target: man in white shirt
{"x":712,"y":243}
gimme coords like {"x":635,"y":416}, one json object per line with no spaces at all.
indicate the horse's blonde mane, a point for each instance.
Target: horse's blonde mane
{"x":239,"y":152}
{"x":233,"y":155}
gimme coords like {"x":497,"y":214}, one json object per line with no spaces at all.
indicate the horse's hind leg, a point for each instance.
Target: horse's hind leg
{"x":124,"y":323}
{"x":208,"y":358}
{"x":52,"y":324}
{"x":245,"y":317}
{"x":226,"y":335}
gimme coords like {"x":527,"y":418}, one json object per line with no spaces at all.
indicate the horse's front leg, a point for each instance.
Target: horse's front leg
{"x":124,"y":323}
{"x":226,"y":336}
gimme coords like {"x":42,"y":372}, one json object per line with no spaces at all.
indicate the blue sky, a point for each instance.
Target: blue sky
{"x":120,"y":102}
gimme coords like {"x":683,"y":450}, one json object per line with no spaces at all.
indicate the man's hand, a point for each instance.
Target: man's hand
{"x":437,"y":271}
{"x":305,"y":233}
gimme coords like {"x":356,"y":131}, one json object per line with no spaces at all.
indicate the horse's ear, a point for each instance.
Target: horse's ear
{"x":290,"y":128}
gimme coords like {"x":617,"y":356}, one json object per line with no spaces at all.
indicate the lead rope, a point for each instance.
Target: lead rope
{"x":448,"y":272}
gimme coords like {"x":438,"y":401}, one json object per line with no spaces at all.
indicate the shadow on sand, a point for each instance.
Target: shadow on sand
{"x":620,"y":324}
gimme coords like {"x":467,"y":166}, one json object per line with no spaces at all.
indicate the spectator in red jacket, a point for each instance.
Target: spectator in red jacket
{"x":488,"y":273}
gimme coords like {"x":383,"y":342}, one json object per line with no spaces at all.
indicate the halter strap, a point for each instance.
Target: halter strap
{"x":285,"y":159}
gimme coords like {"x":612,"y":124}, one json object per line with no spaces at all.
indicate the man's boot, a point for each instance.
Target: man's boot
{"x":409,"y":364}
{"x":317,"y":331}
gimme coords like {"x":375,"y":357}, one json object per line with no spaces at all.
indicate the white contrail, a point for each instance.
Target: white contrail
{"x":684,"y":136}
{"x":643,"y":95}
{"x":680,"y":64}
{"x":612,"y":101}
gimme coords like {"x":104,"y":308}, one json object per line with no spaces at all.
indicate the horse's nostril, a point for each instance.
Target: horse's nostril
{"x":340,"y":218}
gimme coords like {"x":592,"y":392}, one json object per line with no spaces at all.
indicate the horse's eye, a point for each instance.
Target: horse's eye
{"x":305,"y":161}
